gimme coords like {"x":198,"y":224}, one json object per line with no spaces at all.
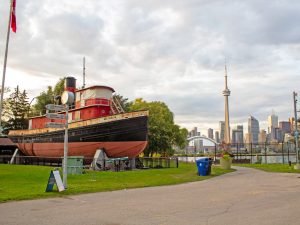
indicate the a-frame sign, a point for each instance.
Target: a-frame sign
{"x":55,"y":178}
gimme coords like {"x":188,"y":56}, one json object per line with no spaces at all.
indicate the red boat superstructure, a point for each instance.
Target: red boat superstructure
{"x":95,"y":122}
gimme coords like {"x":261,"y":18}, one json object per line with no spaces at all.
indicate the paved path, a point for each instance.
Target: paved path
{"x":246,"y":196}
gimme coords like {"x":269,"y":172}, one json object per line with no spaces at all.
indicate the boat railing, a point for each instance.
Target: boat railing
{"x":101,"y":101}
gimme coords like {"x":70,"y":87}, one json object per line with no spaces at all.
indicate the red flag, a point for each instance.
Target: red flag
{"x":13,"y":24}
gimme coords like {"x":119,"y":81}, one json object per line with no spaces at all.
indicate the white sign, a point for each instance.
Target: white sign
{"x":55,"y":125}
{"x":55,"y":116}
{"x":55,"y":107}
{"x":58,"y":180}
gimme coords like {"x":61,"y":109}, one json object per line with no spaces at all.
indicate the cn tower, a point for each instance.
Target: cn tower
{"x":226,"y":93}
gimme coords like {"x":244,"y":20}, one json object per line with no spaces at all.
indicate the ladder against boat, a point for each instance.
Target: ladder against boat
{"x":116,"y":105}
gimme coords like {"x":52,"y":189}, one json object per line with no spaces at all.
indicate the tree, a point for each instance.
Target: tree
{"x":16,"y":109}
{"x":59,"y":87}
{"x":180,"y":136}
{"x":48,"y":97}
{"x":45,"y":98}
{"x":163,"y":133}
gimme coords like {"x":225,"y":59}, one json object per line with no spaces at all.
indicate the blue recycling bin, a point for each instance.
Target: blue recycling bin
{"x":203,"y":166}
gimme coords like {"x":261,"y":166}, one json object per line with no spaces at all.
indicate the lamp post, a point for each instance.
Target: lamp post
{"x":66,"y":139}
{"x":67,"y":98}
{"x":297,"y":166}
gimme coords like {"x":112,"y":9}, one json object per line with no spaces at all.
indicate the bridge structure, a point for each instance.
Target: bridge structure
{"x":194,"y":146}
{"x":202,"y":138}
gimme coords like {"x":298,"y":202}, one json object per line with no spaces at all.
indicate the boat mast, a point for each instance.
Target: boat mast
{"x":83,"y":72}
{"x":4,"y":65}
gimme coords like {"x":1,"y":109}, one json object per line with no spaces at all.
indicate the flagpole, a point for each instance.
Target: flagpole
{"x":4,"y":66}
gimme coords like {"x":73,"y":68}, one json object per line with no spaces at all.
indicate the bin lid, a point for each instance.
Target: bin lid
{"x":202,"y":159}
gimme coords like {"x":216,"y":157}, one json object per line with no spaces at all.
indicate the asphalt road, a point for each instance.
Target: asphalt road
{"x":246,"y":196}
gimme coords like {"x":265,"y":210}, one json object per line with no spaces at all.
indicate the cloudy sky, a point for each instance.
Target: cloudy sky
{"x":171,"y":51}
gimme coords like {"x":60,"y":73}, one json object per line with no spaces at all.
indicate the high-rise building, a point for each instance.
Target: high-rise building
{"x":272,"y":122}
{"x":198,"y":145}
{"x":238,"y":135}
{"x":217,"y":137}
{"x":222,"y":130}
{"x":292,"y":123}
{"x":279,"y":134}
{"x":210,"y":133}
{"x":233,"y":136}
{"x":253,"y":129}
{"x":262,"y":137}
{"x":248,"y":138}
{"x":194,"y":132}
{"x":285,"y":127}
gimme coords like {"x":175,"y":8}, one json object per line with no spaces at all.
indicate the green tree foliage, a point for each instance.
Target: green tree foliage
{"x":59,"y":87}
{"x":45,"y":97}
{"x":163,"y":133}
{"x":16,"y":108}
{"x":180,"y":136}
{"x":48,"y":97}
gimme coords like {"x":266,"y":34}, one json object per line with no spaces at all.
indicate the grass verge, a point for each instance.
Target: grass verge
{"x":278,"y":168}
{"x":19,"y":182}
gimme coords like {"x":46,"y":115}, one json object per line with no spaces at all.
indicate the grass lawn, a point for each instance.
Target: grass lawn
{"x":19,"y":182}
{"x":279,"y":168}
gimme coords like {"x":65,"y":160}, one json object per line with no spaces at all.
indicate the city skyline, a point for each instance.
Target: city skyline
{"x":171,"y":51}
{"x":285,"y":125}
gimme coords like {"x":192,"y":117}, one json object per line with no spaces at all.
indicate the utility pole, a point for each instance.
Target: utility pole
{"x":297,"y":166}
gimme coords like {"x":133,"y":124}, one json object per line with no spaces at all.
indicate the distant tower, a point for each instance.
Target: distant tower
{"x":272,"y":122}
{"x":226,"y":93}
{"x":210,"y":133}
{"x":217,"y":137}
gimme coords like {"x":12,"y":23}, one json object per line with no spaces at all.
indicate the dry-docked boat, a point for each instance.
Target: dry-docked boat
{"x":94,"y":123}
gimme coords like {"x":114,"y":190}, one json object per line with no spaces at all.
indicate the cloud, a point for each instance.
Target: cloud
{"x":171,"y":51}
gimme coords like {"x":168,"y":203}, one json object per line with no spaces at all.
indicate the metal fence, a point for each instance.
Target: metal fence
{"x":103,"y":165}
{"x":161,"y":162}
{"x":284,"y":152}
